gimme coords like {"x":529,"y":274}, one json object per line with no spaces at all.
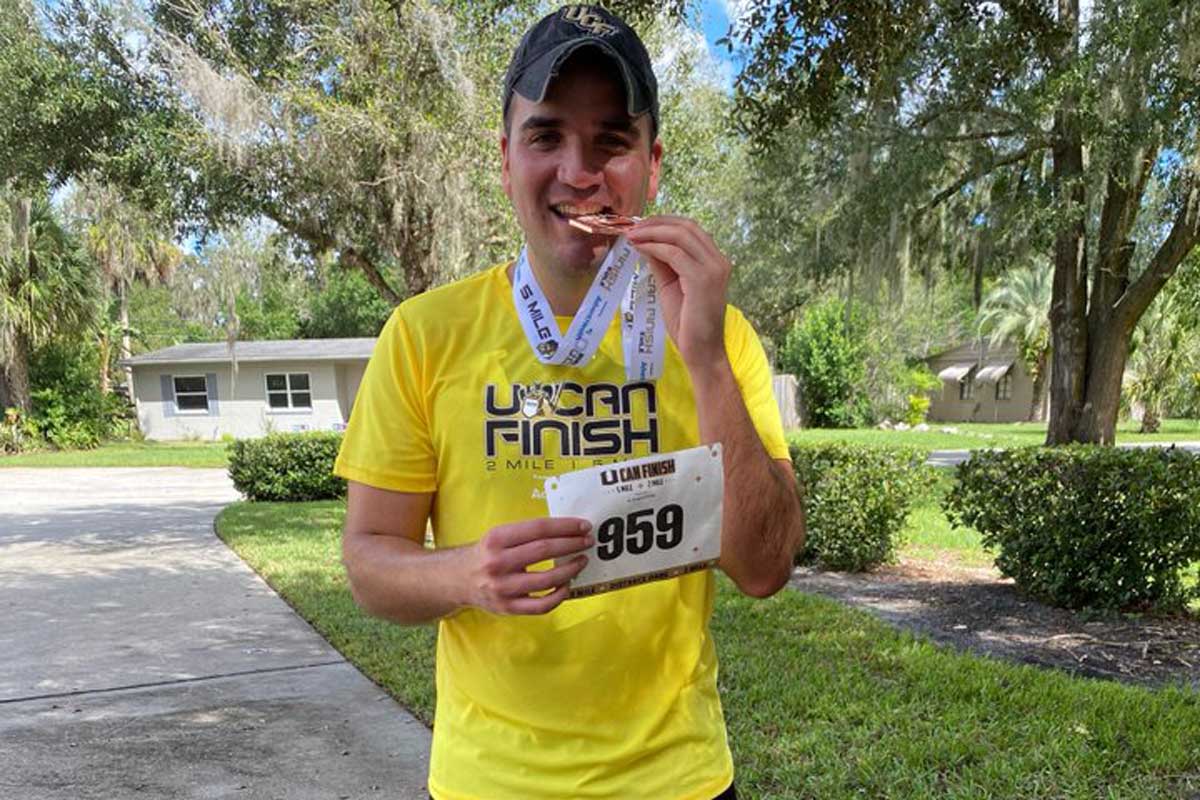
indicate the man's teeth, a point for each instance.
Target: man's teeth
{"x":568,"y":210}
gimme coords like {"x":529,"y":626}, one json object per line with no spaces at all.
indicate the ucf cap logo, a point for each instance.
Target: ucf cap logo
{"x":588,"y":20}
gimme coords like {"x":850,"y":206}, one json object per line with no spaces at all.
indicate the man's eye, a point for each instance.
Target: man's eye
{"x":543,"y":139}
{"x":615,"y":142}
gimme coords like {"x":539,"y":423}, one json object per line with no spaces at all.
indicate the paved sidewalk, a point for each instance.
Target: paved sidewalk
{"x":141,"y":658}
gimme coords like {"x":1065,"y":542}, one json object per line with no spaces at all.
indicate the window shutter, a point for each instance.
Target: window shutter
{"x":210,"y":383}
{"x":168,"y":395}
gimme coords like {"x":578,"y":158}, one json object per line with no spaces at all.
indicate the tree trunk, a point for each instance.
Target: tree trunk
{"x":1068,"y":305}
{"x":1037,"y":407}
{"x":126,"y":350}
{"x":1150,"y":420}
{"x":1096,"y":422}
{"x":16,"y":373}
{"x":105,"y":352}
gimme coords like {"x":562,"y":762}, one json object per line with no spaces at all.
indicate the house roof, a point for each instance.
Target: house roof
{"x":975,"y":349}
{"x":271,"y":350}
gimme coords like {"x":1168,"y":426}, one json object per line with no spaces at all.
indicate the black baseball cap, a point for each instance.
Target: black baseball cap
{"x":556,"y":36}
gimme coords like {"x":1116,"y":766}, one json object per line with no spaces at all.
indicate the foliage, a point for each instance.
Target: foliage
{"x":1086,"y":526}
{"x":69,"y":411}
{"x":956,"y":133}
{"x":346,"y":306}
{"x":1018,"y":310}
{"x":1164,"y":352}
{"x":918,"y":408}
{"x":856,"y":500}
{"x":128,"y":246}
{"x":46,"y":287}
{"x":15,"y":435}
{"x":825,"y":351}
{"x":287,"y":467}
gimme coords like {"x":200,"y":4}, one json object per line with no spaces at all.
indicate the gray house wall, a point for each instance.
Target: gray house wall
{"x":239,"y":407}
{"x":945,"y":405}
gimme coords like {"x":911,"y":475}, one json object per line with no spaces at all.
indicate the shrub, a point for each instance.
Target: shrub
{"x":15,"y":433}
{"x":826,"y":351}
{"x":856,"y":500}
{"x":1085,"y":526}
{"x":287,"y":467}
{"x":918,"y":407}
{"x":68,"y":410}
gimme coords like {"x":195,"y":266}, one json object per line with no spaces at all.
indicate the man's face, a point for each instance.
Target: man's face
{"x":576,"y":152}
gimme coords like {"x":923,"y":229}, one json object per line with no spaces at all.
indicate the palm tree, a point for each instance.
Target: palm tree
{"x":46,"y":288}
{"x":1018,"y":310}
{"x":126,"y":244}
{"x":1163,"y":349}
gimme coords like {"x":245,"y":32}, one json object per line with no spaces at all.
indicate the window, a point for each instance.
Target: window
{"x":1004,"y":388}
{"x":191,"y":392}
{"x":966,"y":388}
{"x":289,"y":390}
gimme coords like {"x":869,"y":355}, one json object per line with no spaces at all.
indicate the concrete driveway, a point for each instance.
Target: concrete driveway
{"x":950,"y":458}
{"x":141,"y":658}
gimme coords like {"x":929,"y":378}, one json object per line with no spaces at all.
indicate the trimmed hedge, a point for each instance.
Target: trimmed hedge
{"x":287,"y":467}
{"x":1086,"y":526}
{"x":857,"y":499}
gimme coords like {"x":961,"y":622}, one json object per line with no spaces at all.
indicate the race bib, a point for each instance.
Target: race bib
{"x":652,"y":518}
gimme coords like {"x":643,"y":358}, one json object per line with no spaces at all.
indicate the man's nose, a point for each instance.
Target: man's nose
{"x":578,"y":169}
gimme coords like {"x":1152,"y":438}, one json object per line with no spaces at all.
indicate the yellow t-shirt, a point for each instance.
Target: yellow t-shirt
{"x":611,"y":696}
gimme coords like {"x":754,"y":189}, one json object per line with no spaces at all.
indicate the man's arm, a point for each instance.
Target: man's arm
{"x":762,"y":527}
{"x":763,"y":521}
{"x":392,"y":575}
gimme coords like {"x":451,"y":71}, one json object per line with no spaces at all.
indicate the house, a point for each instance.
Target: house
{"x":192,"y":391}
{"x":980,"y":384}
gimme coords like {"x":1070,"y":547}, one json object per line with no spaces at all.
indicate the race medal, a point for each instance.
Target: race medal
{"x":653,"y":518}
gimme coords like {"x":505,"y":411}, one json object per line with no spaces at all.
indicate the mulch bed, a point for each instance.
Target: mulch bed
{"x":978,"y":610}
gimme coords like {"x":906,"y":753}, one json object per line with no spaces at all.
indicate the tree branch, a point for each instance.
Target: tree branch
{"x":974,"y":175}
{"x":1122,"y":199}
{"x":351,"y":257}
{"x":1184,"y":235}
{"x":311,"y":232}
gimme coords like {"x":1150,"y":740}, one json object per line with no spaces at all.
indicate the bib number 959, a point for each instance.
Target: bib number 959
{"x":639,"y":532}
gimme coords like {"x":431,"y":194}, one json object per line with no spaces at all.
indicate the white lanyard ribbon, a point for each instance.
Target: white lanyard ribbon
{"x":623,"y":273}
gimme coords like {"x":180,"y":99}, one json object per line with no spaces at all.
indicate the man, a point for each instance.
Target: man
{"x":461,"y":416}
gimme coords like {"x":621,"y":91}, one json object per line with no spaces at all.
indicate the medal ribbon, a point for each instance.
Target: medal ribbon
{"x":623,"y":274}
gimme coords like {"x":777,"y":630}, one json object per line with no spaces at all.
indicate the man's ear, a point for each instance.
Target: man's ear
{"x":504,"y":176}
{"x":656,"y":151}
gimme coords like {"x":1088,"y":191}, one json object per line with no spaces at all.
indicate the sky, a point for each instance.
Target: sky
{"x":714,"y":22}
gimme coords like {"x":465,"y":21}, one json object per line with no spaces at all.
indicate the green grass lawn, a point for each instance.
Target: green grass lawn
{"x":127,"y":454}
{"x":822,"y":701}
{"x":972,"y":435}
{"x":928,"y":534}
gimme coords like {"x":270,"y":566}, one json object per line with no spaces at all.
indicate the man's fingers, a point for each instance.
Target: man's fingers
{"x":675,"y":257}
{"x":539,"y":605}
{"x":525,"y":583}
{"x":518,"y":558}
{"x":518,"y":533}
{"x":683,"y":233}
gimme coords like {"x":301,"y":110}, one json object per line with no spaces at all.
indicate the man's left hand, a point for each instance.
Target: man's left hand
{"x":692,"y":276}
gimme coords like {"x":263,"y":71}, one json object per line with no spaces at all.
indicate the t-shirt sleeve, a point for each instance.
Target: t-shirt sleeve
{"x":753,"y":374}
{"x":388,"y":443}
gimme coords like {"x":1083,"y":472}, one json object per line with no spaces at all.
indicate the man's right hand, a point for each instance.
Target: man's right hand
{"x":498,"y":579}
